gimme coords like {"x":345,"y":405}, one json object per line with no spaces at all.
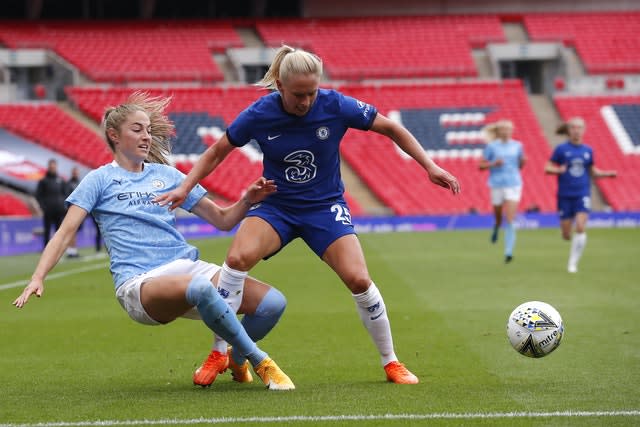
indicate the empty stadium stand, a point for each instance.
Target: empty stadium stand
{"x":11,"y":205}
{"x":120,"y":51}
{"x":400,"y":184}
{"x":49,"y":126}
{"x":388,"y":47}
{"x":606,"y":42}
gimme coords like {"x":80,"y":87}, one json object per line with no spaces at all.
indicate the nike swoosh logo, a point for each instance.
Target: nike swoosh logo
{"x":375,"y":317}
{"x":269,"y":137}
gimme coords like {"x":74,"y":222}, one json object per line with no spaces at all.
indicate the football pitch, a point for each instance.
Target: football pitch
{"x":74,"y":358}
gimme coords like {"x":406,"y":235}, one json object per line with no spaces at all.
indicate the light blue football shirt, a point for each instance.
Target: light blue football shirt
{"x":507,"y":175}
{"x":139,"y":234}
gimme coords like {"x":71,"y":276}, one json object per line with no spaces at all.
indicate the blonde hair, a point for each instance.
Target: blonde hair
{"x":563,"y":128}
{"x":161,"y":127}
{"x":490,"y":131}
{"x":288,"y":61}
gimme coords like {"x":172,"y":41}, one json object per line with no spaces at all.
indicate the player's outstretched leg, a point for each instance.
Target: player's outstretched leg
{"x":272,"y":376}
{"x":399,"y":374}
{"x":216,"y":363}
{"x":217,"y":315}
{"x":239,"y":372}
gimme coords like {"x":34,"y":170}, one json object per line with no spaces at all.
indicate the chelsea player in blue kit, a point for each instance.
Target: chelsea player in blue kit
{"x":157,"y":274}
{"x":504,"y":158}
{"x":299,"y":128}
{"x":573,"y":163}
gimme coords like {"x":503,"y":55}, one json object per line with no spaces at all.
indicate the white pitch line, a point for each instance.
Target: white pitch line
{"x":301,"y":418}
{"x":53,"y":276}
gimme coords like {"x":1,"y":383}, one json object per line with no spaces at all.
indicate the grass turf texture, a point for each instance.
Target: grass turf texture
{"x":75,"y":356}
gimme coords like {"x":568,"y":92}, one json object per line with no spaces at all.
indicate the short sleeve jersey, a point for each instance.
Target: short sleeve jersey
{"x":576,"y":181}
{"x":139,"y":234}
{"x":508,"y":174}
{"x":301,"y":154}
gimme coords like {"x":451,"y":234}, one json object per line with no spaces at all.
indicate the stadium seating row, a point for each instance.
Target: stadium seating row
{"x":370,"y":155}
{"x":395,"y":47}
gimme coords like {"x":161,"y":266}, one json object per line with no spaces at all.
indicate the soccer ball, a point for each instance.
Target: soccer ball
{"x":535,"y":329}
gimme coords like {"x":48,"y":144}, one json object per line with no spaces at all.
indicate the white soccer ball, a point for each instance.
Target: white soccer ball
{"x":535,"y":329}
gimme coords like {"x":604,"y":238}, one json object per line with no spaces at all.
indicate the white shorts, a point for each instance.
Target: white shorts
{"x":128,"y":294}
{"x":499,"y":195}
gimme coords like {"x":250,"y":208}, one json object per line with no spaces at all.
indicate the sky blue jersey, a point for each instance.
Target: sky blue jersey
{"x":139,"y":234}
{"x":301,"y":154}
{"x":507,"y":175}
{"x":576,"y":181}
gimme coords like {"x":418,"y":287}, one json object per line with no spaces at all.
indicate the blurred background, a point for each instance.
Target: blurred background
{"x":444,"y":68}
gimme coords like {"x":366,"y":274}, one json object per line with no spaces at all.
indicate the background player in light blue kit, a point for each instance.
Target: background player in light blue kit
{"x":504,"y":157}
{"x":157,"y":274}
{"x":574,"y":164}
{"x":299,"y":128}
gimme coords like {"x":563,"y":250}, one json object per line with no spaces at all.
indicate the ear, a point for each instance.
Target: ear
{"x":113,"y":135}
{"x":279,"y":85}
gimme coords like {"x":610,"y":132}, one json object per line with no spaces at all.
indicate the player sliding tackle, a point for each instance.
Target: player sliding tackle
{"x":157,"y":274}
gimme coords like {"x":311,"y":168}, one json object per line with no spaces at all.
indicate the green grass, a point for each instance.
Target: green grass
{"x":74,"y":355}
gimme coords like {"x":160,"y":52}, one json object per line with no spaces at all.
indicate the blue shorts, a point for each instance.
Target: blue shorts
{"x":318,"y":226}
{"x":568,"y":207}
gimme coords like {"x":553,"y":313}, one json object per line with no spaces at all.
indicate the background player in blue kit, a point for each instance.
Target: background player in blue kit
{"x":504,"y":157}
{"x":574,"y":164}
{"x":157,"y":274}
{"x":299,"y":128}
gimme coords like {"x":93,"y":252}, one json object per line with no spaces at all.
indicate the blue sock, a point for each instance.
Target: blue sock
{"x":217,"y":315}
{"x":263,"y":320}
{"x":509,"y":238}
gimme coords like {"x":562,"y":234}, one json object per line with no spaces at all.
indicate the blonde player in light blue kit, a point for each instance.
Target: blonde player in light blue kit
{"x":504,"y":157}
{"x":157,"y":274}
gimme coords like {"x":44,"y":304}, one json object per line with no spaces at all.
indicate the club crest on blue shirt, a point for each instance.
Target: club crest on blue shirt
{"x":322,"y":132}
{"x":158,"y":184}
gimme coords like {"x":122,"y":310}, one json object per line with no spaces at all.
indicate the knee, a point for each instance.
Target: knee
{"x":240,"y":262}
{"x":200,"y":289}
{"x":358,"y":284}
{"x":273,"y":304}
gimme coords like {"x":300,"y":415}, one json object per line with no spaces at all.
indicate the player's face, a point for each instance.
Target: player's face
{"x":298,"y":93}
{"x":134,"y":138}
{"x":576,"y":131}
{"x":504,"y":132}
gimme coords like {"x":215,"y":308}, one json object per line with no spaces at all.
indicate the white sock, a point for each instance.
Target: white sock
{"x":230,"y":287}
{"x":578,"y":242}
{"x":373,"y":313}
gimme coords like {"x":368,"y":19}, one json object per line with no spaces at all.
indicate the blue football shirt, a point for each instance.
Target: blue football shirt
{"x":139,"y":234}
{"x":301,"y":154}
{"x":576,"y":181}
{"x":508,"y":174}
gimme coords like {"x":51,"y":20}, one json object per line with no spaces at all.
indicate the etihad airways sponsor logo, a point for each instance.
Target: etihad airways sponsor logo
{"x":138,"y":197}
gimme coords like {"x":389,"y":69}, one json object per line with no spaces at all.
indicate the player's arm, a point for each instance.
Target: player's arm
{"x":52,"y":253}
{"x":599,"y":173}
{"x":553,"y":168}
{"x":410,"y":145}
{"x":226,"y":218}
{"x":206,"y":164}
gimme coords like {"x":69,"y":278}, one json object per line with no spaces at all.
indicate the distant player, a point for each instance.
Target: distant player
{"x":574,"y":164}
{"x":504,"y":157}
{"x":299,"y":128}
{"x":157,"y":274}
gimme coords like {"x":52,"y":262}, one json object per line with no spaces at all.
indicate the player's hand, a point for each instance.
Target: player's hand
{"x":173,"y":198}
{"x":498,"y":163}
{"x":441,"y":177}
{"x":562,"y":169}
{"x":259,"y":190}
{"x":35,"y":287}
